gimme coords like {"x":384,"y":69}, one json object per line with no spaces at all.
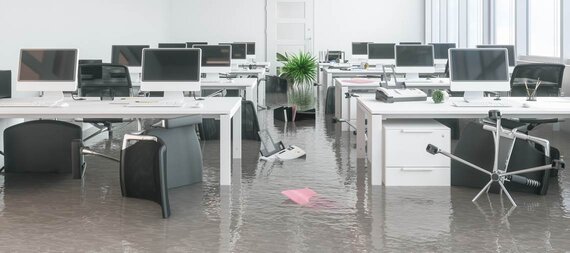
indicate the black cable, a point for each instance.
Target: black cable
{"x":75,"y":98}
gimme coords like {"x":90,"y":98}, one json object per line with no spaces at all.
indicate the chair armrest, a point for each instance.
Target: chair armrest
{"x":539,"y":121}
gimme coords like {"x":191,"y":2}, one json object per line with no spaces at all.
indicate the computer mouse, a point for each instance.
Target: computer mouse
{"x":526,"y":105}
{"x":197,"y":105}
{"x":64,"y":105}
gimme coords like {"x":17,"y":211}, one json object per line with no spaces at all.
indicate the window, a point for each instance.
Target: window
{"x":504,"y":17}
{"x":544,"y":28}
{"x":474,"y":23}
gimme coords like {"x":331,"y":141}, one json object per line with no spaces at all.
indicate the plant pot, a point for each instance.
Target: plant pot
{"x":301,"y":96}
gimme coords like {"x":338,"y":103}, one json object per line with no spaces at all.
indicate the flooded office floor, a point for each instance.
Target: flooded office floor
{"x":58,"y":214}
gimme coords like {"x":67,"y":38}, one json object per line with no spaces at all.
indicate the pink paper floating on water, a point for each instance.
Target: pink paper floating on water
{"x":300,"y":196}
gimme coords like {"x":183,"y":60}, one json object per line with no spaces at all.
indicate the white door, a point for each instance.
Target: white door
{"x":289,"y":28}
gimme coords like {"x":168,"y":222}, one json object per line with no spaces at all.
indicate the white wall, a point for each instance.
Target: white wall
{"x":217,"y":21}
{"x":338,"y":23}
{"x":91,"y":26}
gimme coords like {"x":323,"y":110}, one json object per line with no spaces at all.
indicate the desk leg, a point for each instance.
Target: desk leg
{"x":329,"y":81}
{"x":375,"y":142}
{"x":237,"y":134}
{"x":360,"y":132}
{"x":225,"y":150}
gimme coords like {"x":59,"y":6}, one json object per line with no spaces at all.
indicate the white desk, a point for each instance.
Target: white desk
{"x":331,"y":74}
{"x":226,"y":109}
{"x":248,"y":85}
{"x":346,"y":108}
{"x":374,"y":112}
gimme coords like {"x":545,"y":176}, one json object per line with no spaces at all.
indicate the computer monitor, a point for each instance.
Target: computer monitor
{"x":510,"y":49}
{"x":441,"y":52}
{"x":335,"y":56}
{"x":239,"y":52}
{"x":171,"y":70}
{"x":410,"y":43}
{"x":477,"y":70}
{"x":128,"y":55}
{"x":50,"y":70}
{"x":250,"y":50}
{"x":216,"y":59}
{"x":191,"y":44}
{"x":414,"y":59}
{"x":360,"y":50}
{"x":171,"y":45}
{"x":381,"y":53}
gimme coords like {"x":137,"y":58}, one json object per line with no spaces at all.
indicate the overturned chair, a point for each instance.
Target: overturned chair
{"x":168,"y":155}
{"x":509,"y":170}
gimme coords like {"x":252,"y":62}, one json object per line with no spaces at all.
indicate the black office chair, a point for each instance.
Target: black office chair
{"x":476,"y":163}
{"x":210,"y":128}
{"x":40,"y":146}
{"x":143,"y":170}
{"x":104,"y":81}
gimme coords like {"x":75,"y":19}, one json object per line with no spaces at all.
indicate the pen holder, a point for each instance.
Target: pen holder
{"x":531,"y":95}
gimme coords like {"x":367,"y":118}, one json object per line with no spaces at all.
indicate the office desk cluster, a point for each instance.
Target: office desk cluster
{"x":371,"y":115}
{"x":227,"y":110}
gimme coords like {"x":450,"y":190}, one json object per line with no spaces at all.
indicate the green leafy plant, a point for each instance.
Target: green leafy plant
{"x":299,"y":69}
{"x":438,"y":96}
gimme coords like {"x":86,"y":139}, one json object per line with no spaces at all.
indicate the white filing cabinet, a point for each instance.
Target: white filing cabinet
{"x":406,"y":161}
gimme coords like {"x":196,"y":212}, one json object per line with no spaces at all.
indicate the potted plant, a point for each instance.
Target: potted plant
{"x":300,"y":71}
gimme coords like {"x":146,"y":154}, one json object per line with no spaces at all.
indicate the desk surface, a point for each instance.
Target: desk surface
{"x":375,"y":82}
{"x":353,"y":71}
{"x":112,"y":109}
{"x":242,"y":71}
{"x":545,"y":107}
{"x":235,"y":83}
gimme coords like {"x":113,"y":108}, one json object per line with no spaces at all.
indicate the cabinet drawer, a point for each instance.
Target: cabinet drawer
{"x":417,"y":176}
{"x":407,"y":148}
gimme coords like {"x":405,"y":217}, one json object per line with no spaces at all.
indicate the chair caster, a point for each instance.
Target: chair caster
{"x":432,"y":149}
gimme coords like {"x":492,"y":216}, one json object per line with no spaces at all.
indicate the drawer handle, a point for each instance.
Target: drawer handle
{"x":417,"y":131}
{"x":416,"y":170}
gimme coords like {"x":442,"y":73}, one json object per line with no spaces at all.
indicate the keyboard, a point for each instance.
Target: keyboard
{"x":482,"y":103}
{"x":28,"y":103}
{"x":155,"y":103}
{"x":421,"y":80}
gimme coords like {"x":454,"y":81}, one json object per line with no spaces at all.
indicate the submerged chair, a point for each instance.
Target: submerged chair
{"x":40,"y":146}
{"x":513,"y":165}
{"x":104,"y":81}
{"x":210,"y":129}
{"x":166,"y":156}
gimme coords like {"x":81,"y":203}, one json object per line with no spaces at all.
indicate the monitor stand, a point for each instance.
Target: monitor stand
{"x":210,"y":77}
{"x":412,"y":76}
{"x":177,"y":96}
{"x":473,"y":96}
{"x":55,"y":96}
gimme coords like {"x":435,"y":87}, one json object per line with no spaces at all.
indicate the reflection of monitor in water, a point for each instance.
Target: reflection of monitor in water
{"x":268,"y":146}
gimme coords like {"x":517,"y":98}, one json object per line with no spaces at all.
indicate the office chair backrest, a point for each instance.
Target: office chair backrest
{"x":102,"y":79}
{"x":550,"y":74}
{"x":5,"y":84}
{"x":40,"y":146}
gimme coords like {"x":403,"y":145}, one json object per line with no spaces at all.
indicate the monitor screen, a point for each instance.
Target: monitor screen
{"x":128,"y":55}
{"x":410,"y":43}
{"x":239,"y":50}
{"x":414,"y":56}
{"x":510,"y":49}
{"x":478,"y":65}
{"x":191,"y":44}
{"x":171,"y":65}
{"x":171,"y":45}
{"x":47,"y":65}
{"x":215,"y":55}
{"x":381,"y":51}
{"x":250,"y":48}
{"x":441,"y":50}
{"x":360,"y":48}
